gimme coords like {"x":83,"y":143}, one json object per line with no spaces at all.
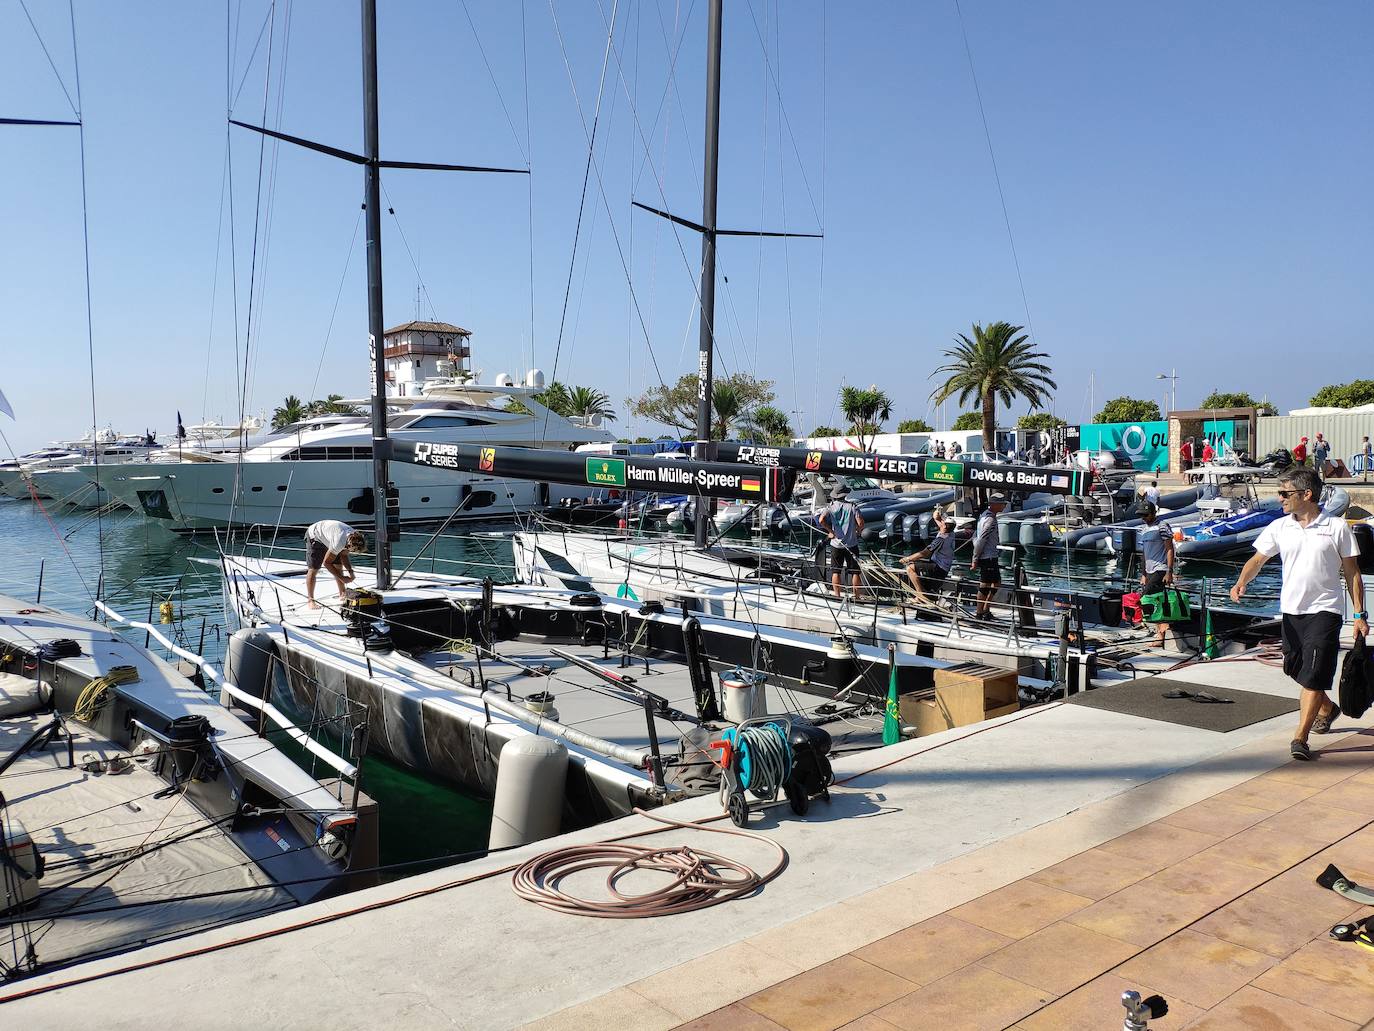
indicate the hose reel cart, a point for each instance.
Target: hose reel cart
{"x":772,"y":754}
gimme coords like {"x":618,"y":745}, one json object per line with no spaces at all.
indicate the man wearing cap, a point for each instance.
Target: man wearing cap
{"x":1157,"y":549}
{"x":1316,"y":548}
{"x":1300,"y":452}
{"x":843,"y":524}
{"x":985,"y":562}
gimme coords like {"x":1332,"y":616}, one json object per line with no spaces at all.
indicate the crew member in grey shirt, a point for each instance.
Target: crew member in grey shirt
{"x":1157,"y":549}
{"x":843,"y":524}
{"x":985,"y":555}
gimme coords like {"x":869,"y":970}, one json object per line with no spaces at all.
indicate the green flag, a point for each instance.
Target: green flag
{"x":892,"y":719}
{"x":1211,"y":650}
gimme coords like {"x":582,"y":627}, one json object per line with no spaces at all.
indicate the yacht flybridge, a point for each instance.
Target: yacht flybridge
{"x":327,"y":472}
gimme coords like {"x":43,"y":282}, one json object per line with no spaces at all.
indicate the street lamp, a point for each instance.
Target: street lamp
{"x":1172,"y":377}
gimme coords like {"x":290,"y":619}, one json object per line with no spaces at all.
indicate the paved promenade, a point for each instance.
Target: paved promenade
{"x":1016,"y":873}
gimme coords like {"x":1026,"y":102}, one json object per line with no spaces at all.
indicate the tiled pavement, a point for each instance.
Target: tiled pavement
{"x":1214,"y":907}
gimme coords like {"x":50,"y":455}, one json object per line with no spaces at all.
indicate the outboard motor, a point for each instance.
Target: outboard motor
{"x":891,"y":522}
{"x":913,"y":525}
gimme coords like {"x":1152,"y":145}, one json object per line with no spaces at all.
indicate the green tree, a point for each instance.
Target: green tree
{"x":1237,"y":399}
{"x":1040,"y":421}
{"x":727,"y":408}
{"x":827,"y":431}
{"x":1129,"y":409}
{"x":915,"y":426}
{"x":968,"y":421}
{"x":676,"y":406}
{"x":330,"y":405}
{"x":771,"y":425}
{"x":996,"y":364}
{"x":1345,"y":395}
{"x":291,"y":410}
{"x":866,"y":410}
{"x":586,"y":401}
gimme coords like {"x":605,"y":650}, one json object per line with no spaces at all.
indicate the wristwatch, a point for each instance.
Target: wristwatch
{"x":1362,"y":615}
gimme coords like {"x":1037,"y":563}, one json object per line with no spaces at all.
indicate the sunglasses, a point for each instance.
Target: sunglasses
{"x":1289,"y":493}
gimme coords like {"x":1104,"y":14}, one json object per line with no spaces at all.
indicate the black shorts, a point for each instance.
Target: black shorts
{"x":930,"y":574}
{"x":1154,"y":582}
{"x":315,"y":553}
{"x":842,"y":559}
{"x":989,"y":572}
{"x":1311,"y":645}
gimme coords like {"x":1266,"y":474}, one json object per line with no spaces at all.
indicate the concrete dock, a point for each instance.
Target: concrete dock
{"x":1017,"y":873}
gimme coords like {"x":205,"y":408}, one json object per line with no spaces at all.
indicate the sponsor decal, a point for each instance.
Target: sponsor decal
{"x":606,"y":472}
{"x":813,"y":461}
{"x":1059,"y":481}
{"x":486,"y":460}
{"x":749,"y":484}
{"x":751,"y":455}
{"x":945,"y":472}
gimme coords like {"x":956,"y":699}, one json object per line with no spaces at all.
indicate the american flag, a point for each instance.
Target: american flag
{"x":1059,"y":481}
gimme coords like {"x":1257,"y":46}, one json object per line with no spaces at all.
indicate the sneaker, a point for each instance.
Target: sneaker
{"x":1299,"y":750}
{"x":1322,"y":724}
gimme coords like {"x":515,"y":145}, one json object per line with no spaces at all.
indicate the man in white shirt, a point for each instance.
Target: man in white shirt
{"x":1157,"y":553}
{"x":328,"y":544}
{"x":1316,"y":549}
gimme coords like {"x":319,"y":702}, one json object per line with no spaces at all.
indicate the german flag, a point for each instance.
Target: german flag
{"x":746,"y":483}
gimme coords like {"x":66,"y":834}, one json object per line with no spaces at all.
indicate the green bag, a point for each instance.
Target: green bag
{"x":1166,"y":606}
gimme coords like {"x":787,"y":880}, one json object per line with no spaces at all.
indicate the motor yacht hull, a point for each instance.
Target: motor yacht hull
{"x":191,"y":496}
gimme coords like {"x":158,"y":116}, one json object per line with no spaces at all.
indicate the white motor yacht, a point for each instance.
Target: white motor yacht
{"x":326,"y":473}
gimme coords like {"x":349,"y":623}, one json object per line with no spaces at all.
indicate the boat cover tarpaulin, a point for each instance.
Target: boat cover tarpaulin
{"x":656,"y":475}
{"x":912,"y":468}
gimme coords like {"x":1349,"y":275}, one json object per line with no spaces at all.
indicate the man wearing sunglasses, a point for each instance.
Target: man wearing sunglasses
{"x":1316,"y":549}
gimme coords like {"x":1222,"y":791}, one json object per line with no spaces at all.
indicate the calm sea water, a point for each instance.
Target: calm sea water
{"x":145,"y":564}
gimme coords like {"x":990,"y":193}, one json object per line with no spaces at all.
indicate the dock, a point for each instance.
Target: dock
{"x":1021,"y":872}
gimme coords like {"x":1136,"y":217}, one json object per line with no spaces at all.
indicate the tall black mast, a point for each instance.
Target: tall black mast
{"x":710,"y":232}
{"x":381,"y":446}
{"x":711,"y":167}
{"x":373,"y":164}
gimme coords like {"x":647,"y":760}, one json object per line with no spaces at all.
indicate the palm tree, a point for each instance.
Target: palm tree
{"x":771,"y":425}
{"x":866,"y":411}
{"x":589,"y":401}
{"x":330,"y":406}
{"x":291,"y":410}
{"x":996,"y":363}
{"x":727,"y":405}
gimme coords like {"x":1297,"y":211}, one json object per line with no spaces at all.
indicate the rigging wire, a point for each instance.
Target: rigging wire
{"x":996,"y":175}
{"x":86,"y":257}
{"x":53,"y":65}
{"x":529,"y":163}
{"x":492,"y":75}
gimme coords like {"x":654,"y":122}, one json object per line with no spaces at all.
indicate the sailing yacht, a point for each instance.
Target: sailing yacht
{"x":325,"y":472}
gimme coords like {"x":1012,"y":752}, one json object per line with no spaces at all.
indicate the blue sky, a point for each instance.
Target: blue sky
{"x":1188,"y":186}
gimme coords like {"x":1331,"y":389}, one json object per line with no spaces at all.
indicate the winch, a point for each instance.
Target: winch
{"x":361,"y":608}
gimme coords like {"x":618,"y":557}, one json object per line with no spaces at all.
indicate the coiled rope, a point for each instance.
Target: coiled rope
{"x":697,"y":879}
{"x":94,"y":694}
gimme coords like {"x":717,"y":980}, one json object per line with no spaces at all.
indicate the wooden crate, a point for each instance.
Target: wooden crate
{"x":964,"y":694}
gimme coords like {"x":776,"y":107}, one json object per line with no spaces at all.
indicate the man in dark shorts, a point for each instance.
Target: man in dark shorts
{"x":1316,"y":549}
{"x":929,"y":567}
{"x":985,"y":562}
{"x":842,"y":522}
{"x":328,"y":544}
{"x":1157,"y":551}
